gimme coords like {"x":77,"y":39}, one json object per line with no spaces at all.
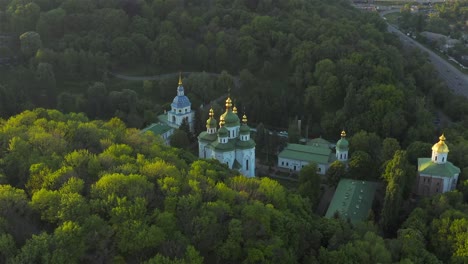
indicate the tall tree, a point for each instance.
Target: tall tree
{"x":335,"y":172}
{"x":309,"y":183}
{"x":30,"y":43}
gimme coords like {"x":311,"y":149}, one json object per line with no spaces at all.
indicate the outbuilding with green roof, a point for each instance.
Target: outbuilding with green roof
{"x":160,"y":129}
{"x":296,"y":156}
{"x":352,"y":200}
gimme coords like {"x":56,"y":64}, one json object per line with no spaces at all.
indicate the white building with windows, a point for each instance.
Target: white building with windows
{"x":180,"y":109}
{"x":169,"y":121}
{"x":231,"y":143}
{"x":295,"y":156}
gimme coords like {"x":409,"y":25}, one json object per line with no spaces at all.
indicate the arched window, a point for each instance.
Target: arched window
{"x":246,"y":164}
{"x":443,"y":159}
{"x":436,"y":158}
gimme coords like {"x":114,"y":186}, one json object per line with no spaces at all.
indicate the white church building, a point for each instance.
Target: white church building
{"x":171,"y":120}
{"x":231,"y":143}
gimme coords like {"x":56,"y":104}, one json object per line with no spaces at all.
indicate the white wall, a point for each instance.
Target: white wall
{"x":296,"y":165}
{"x":246,"y":154}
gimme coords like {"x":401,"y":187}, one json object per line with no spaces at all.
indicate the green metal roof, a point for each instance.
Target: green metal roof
{"x":307,"y":153}
{"x":223,"y":147}
{"x":426,"y":166}
{"x":342,"y":144}
{"x":231,"y":119}
{"x":157,"y":128}
{"x":245,"y":144}
{"x":211,"y":123}
{"x":319,"y":142}
{"x":244,"y":129}
{"x":207,"y":137}
{"x":162,"y":118}
{"x":352,"y":199}
{"x":223,"y":132}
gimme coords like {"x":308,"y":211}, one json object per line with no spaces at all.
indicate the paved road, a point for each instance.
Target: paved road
{"x":456,"y":80}
{"x":167,"y":75}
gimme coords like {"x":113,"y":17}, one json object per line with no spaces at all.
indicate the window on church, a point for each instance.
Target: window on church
{"x":443,"y":159}
{"x":287,"y":163}
{"x":435,"y":158}
{"x":180,"y":111}
{"x":247,"y":164}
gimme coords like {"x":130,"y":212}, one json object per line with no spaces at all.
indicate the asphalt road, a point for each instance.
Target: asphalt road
{"x":456,"y":80}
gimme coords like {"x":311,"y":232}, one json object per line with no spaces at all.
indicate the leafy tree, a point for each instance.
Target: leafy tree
{"x":389,"y":147}
{"x":293,"y":132}
{"x":124,"y":50}
{"x":417,"y":150}
{"x":391,"y":208}
{"x":51,"y":24}
{"x":361,"y":166}
{"x":180,"y":139}
{"x":30,"y":43}
{"x":309,"y":183}
{"x":335,"y":172}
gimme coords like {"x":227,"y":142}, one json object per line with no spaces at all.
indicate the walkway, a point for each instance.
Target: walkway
{"x":168,"y":75}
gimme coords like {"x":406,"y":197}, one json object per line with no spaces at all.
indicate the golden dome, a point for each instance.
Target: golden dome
{"x":211,"y":112}
{"x":234,"y":110}
{"x":228,"y":103}
{"x":244,"y":119}
{"x":180,"y":79}
{"x":343,"y":133}
{"x":440,"y":147}
{"x":221,"y":121}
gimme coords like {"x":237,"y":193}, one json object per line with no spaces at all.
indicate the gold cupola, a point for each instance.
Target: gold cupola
{"x":440,"y":147}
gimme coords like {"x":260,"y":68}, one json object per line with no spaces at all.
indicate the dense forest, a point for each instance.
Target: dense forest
{"x":78,"y":186}
{"x":321,"y":61}
{"x":80,"y":191}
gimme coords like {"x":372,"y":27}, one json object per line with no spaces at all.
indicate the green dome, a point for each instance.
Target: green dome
{"x":244,"y":129}
{"x":342,"y":144}
{"x":231,"y":119}
{"x":204,"y":136}
{"x":223,"y":132}
{"x":211,"y":123}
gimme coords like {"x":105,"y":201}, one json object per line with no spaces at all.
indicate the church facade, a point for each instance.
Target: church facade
{"x":436,"y":174}
{"x":181,"y":109}
{"x":231,"y":143}
{"x":169,"y":121}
